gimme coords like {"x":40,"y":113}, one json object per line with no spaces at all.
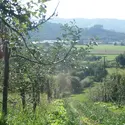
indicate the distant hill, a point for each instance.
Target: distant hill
{"x":102,"y":34}
{"x":50,"y":31}
{"x":110,"y":24}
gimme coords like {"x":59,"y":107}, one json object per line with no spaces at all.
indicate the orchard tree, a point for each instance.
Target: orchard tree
{"x":31,"y":75}
{"x":16,"y":21}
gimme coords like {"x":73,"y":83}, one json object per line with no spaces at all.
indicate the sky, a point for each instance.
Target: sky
{"x":88,"y":8}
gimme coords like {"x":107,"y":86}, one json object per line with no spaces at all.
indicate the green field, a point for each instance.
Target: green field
{"x":106,"y":49}
{"x":109,"y":48}
{"x":114,"y":70}
{"x":110,"y":51}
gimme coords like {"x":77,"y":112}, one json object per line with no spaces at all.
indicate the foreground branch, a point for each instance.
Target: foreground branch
{"x":44,"y":21}
{"x":41,"y":63}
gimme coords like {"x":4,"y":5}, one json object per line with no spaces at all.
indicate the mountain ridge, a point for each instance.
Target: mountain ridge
{"x":117,"y":25}
{"x":50,"y":31}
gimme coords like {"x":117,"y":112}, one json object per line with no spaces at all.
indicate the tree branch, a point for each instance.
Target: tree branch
{"x":26,"y":58}
{"x":20,"y":34}
{"x":34,"y":27}
{"x":23,"y":38}
{"x":41,"y":63}
{"x":66,"y":55}
{"x":44,"y":21}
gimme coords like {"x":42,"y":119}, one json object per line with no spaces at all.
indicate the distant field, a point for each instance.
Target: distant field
{"x":107,"y":49}
{"x":114,"y":70}
{"x":110,"y":51}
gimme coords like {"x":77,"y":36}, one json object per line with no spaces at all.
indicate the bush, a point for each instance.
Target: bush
{"x":97,"y":70}
{"x":66,"y":94}
{"x":111,"y":89}
{"x":111,"y":64}
{"x":96,"y":93}
{"x":87,"y":82}
{"x":93,"y":58}
{"x":76,"y":86}
{"x":120,"y":59}
{"x":79,"y":74}
{"x":62,"y":85}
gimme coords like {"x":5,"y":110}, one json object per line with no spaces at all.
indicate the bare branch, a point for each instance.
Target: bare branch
{"x":44,"y":21}
{"x":66,"y":55}
{"x":26,"y":58}
{"x":45,"y":64}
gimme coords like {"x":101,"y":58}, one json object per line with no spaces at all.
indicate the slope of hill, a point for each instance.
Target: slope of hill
{"x":110,"y":24}
{"x":103,"y":34}
{"x":50,"y":31}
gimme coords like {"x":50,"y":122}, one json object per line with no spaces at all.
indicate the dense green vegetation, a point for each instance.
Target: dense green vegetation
{"x":57,"y":83}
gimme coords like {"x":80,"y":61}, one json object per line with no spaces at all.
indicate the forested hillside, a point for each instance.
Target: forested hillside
{"x":50,"y":31}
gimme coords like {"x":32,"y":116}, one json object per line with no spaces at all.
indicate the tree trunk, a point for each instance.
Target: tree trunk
{"x":49,"y":94}
{"x":23,"y":97}
{"x":6,"y":78}
{"x":34,"y":99}
{"x":38,"y":95}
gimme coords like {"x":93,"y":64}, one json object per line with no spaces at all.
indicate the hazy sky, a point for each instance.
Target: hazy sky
{"x":88,"y":8}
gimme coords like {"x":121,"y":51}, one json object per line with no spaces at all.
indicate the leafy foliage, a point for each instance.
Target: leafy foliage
{"x":120,"y":59}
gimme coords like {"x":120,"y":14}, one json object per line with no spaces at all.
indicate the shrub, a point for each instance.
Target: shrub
{"x":97,"y":70}
{"x":63,"y":84}
{"x":96,"y":93}
{"x":120,"y":59}
{"x":66,"y":94}
{"x":87,"y":82}
{"x":79,"y":74}
{"x":93,"y":58}
{"x":111,"y":89}
{"x":111,"y":64}
{"x":76,"y":86}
